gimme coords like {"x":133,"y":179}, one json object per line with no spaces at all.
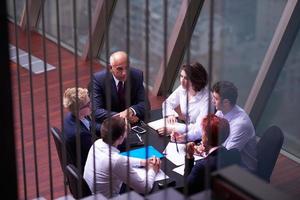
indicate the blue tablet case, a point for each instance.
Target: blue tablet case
{"x":141,"y":153}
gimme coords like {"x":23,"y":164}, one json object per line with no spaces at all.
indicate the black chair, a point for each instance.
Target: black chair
{"x":58,"y":139}
{"x":268,"y":149}
{"x":61,"y":148}
{"x":78,"y":186}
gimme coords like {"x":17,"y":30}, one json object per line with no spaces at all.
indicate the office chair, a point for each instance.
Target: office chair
{"x":78,"y":186}
{"x":61,"y":148}
{"x":268,"y":149}
{"x":58,"y":139}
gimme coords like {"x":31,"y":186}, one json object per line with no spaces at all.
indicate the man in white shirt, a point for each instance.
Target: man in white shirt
{"x":112,"y":169}
{"x":242,"y":133}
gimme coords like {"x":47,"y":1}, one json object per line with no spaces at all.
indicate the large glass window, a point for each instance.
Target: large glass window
{"x":66,"y":21}
{"x":243,"y":30}
{"x":20,"y":5}
{"x":117,"y":33}
{"x":282,"y":108}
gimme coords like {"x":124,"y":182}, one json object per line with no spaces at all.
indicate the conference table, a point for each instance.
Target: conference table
{"x":151,"y":137}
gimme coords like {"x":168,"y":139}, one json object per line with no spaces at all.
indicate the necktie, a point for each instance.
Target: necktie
{"x":121,"y":95}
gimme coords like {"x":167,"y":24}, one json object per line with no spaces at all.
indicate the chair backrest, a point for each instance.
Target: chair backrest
{"x":59,"y":143}
{"x":57,"y":136}
{"x":268,"y":149}
{"x":78,"y":186}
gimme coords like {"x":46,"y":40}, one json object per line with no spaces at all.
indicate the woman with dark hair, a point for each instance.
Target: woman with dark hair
{"x":192,"y":96}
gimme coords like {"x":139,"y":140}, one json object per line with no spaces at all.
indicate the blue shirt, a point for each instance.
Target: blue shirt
{"x":242,"y":136}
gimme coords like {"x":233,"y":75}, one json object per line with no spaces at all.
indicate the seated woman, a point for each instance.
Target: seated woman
{"x":77,"y":122}
{"x":192,"y":96}
{"x":215,"y":130}
{"x":112,"y":169}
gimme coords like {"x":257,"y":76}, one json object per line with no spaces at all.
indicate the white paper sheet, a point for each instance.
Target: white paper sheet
{"x":159,"y":176}
{"x":162,"y":123}
{"x":179,"y":170}
{"x":175,"y":157}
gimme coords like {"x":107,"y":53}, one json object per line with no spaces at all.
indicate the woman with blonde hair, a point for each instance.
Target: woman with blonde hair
{"x":77,"y":121}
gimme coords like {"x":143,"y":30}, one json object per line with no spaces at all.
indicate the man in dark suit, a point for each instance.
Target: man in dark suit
{"x":77,"y":122}
{"x":215,"y":130}
{"x":119,"y":90}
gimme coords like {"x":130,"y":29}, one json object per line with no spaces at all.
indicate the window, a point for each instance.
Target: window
{"x":117,"y":33}
{"x":243,"y":30}
{"x":66,"y":21}
{"x":283,"y":108}
{"x":20,"y":4}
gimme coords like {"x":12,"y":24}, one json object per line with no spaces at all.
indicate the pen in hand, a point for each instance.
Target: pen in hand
{"x":176,"y":144}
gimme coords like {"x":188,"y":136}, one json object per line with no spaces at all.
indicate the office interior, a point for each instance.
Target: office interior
{"x":51,"y":45}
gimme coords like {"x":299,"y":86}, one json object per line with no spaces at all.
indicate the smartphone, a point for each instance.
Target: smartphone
{"x":138,"y":129}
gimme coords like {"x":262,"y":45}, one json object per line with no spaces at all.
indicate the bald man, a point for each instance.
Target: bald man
{"x":119,"y":79}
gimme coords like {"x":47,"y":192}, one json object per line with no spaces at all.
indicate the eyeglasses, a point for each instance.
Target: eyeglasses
{"x":86,"y":105}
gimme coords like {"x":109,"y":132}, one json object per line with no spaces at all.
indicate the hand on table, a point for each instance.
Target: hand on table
{"x":181,"y":138}
{"x":154,"y":163}
{"x":171,"y":120}
{"x":165,"y":131}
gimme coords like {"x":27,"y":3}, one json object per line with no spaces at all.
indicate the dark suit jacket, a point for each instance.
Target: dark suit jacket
{"x":218,"y":159}
{"x":69,"y":132}
{"x":105,"y":79}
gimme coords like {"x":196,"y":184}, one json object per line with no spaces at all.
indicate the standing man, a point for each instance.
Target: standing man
{"x":110,"y":88}
{"x":242,"y":133}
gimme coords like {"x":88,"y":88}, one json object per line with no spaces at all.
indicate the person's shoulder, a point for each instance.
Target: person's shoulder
{"x":100,"y":74}
{"x":242,"y":116}
{"x":135,"y":71}
{"x":69,"y":128}
{"x":69,"y":120}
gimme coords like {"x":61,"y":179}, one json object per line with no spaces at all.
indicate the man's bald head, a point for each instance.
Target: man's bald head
{"x":119,"y":64}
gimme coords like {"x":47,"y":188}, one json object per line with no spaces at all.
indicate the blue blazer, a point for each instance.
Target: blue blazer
{"x":69,"y":133}
{"x":104,"y":80}
{"x":218,"y":159}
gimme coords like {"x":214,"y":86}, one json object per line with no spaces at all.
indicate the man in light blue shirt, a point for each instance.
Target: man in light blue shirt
{"x":242,"y":133}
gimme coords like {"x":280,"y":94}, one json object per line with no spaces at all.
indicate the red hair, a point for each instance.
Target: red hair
{"x":216,"y":129}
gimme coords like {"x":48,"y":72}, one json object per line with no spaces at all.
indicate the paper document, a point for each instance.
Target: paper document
{"x":171,"y":153}
{"x":159,"y":176}
{"x":175,"y":157}
{"x":162,"y":123}
{"x":179,"y":170}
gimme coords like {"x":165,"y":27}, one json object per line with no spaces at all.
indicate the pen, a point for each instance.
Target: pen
{"x":139,"y":137}
{"x":176,"y":145}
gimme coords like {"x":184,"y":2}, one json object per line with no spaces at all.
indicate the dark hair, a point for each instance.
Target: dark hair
{"x":197,"y":74}
{"x":216,"y":128}
{"x":226,"y":90}
{"x":112,"y":128}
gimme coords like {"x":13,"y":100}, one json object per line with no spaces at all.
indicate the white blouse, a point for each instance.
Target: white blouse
{"x":194,"y":111}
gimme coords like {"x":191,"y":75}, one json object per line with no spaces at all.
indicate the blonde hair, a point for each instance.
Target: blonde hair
{"x":69,"y":100}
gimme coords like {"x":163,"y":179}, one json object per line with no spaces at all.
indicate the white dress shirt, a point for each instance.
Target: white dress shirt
{"x":242,"y":136}
{"x":196,"y":110}
{"x":119,"y":171}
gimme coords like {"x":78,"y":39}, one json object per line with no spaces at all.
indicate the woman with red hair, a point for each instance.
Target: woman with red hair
{"x":215,"y":130}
